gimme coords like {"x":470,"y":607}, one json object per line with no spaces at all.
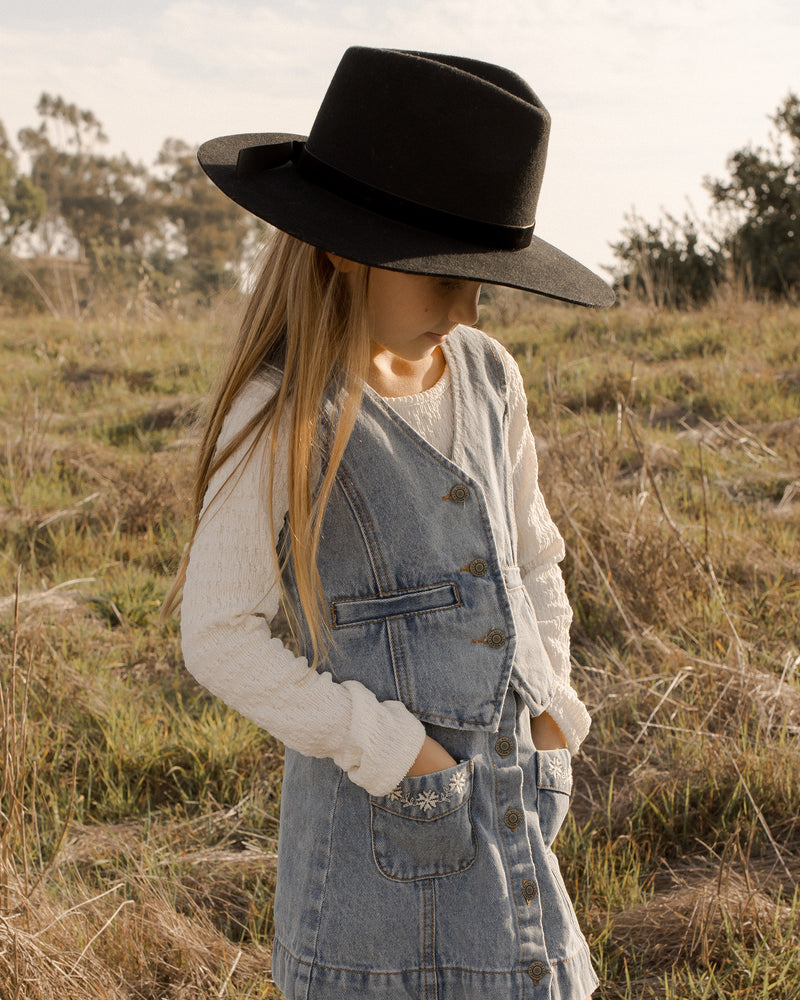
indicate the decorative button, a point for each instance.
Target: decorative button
{"x":458,"y":494}
{"x":512,"y":818}
{"x":495,"y":638}
{"x":478,"y":567}
{"x":529,"y":890}
{"x":536,"y":970}
{"x":504,"y":745}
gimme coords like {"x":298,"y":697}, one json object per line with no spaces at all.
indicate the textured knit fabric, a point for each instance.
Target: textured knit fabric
{"x":231,"y":596}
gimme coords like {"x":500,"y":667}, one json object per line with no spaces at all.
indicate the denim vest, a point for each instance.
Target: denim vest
{"x":418,"y":558}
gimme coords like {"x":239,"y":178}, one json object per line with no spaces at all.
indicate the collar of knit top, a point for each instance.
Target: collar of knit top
{"x":427,"y":396}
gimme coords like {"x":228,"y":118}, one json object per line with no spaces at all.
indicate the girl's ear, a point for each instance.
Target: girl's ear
{"x":341,"y":264}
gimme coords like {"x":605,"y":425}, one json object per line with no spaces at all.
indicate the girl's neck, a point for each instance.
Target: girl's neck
{"x":391,"y":376}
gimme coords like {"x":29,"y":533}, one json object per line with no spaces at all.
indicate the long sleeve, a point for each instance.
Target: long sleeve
{"x":229,"y":599}
{"x":540,"y":549}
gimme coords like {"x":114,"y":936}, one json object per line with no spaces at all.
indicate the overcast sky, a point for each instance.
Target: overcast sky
{"x":646,"y":98}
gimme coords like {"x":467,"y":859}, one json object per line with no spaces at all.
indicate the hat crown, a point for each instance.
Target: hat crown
{"x":457,"y":135}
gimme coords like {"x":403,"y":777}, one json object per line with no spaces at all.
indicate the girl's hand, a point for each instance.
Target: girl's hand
{"x":432,"y":757}
{"x":547,"y":733}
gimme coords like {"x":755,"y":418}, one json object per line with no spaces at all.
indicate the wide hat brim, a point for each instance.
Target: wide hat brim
{"x":286,"y":199}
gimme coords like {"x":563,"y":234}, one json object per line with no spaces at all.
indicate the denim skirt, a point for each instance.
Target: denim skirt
{"x":445,"y":889}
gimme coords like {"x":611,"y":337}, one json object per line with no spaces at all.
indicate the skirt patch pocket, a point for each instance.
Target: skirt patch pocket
{"x":424,"y":828}
{"x":554,"y":783}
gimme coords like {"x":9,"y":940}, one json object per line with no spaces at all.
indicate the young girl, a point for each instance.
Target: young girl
{"x":368,"y":461}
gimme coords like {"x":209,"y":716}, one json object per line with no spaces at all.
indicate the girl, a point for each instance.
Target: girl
{"x":367,"y":460}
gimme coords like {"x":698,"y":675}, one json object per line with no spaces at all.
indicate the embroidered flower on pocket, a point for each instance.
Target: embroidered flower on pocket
{"x":556,"y":768}
{"x":428,"y":800}
{"x":458,"y":782}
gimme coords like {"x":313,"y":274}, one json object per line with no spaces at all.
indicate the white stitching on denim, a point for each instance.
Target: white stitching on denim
{"x":427,"y":801}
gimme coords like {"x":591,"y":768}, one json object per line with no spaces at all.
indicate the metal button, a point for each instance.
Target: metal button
{"x":458,"y":493}
{"x":512,"y":818}
{"x":495,"y":638}
{"x":478,"y":567}
{"x":529,"y":890}
{"x":536,"y":970}
{"x":504,"y":745}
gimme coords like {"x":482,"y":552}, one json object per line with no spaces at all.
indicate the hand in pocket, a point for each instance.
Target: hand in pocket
{"x":431,"y":758}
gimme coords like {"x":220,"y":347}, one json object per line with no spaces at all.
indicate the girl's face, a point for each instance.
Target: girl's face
{"x":411,"y":315}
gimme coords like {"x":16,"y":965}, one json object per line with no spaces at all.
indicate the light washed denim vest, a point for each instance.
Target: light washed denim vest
{"x":418,"y":559}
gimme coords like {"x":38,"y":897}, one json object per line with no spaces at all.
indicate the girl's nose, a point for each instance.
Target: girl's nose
{"x":464,"y":305}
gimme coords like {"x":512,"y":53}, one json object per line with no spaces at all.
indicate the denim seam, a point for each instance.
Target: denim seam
{"x":368,"y":533}
{"x":327,"y":870}
{"x":507,"y":866}
{"x":405,"y":972}
{"x":398,"y":656}
{"x":428,"y":933}
{"x":584,"y":949}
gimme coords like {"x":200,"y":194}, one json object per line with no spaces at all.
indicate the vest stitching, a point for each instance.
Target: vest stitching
{"x":368,"y":532}
{"x":396,"y":644}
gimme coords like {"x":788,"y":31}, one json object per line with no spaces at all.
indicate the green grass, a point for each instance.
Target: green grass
{"x":139,"y":815}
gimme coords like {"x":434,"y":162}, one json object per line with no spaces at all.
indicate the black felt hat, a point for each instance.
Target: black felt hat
{"x":416,"y":162}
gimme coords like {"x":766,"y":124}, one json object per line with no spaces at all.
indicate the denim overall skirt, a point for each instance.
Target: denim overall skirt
{"x":447,"y":887}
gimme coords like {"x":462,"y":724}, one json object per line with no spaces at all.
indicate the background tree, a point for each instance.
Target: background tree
{"x":22,"y":202}
{"x":753,"y":239}
{"x":206,"y":231}
{"x":667,"y":265}
{"x":762,"y":197}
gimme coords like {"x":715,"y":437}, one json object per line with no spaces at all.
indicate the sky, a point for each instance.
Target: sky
{"x":646,"y":99}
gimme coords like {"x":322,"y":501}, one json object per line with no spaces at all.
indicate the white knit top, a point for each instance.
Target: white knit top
{"x":231,"y":596}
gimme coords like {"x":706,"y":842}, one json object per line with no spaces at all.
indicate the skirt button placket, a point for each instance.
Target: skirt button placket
{"x":518,"y":853}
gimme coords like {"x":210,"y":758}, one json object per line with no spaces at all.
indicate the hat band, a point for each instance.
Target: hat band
{"x":390,"y":206}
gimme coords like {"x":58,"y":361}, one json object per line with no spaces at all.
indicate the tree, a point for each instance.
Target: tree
{"x":667,"y":265}
{"x":762,"y":196}
{"x":754,"y":240}
{"x":88,"y":227}
{"x":22,"y":202}
{"x":207,"y":230}
{"x":96,"y":203}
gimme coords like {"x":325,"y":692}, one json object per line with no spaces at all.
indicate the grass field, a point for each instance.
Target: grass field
{"x":139,"y":816}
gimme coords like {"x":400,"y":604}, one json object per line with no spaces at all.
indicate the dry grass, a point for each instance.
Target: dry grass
{"x":139,"y":817}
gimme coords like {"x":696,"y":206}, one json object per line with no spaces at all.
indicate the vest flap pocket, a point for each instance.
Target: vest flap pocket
{"x":395,"y":604}
{"x":423,"y":828}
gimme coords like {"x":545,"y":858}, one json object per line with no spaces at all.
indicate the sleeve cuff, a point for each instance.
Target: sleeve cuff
{"x":389,"y":746}
{"x":571,"y":714}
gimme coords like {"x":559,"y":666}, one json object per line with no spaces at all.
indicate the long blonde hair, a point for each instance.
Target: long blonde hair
{"x":307,"y":319}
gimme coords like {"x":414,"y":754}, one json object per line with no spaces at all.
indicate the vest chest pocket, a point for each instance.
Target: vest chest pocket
{"x":423,"y":828}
